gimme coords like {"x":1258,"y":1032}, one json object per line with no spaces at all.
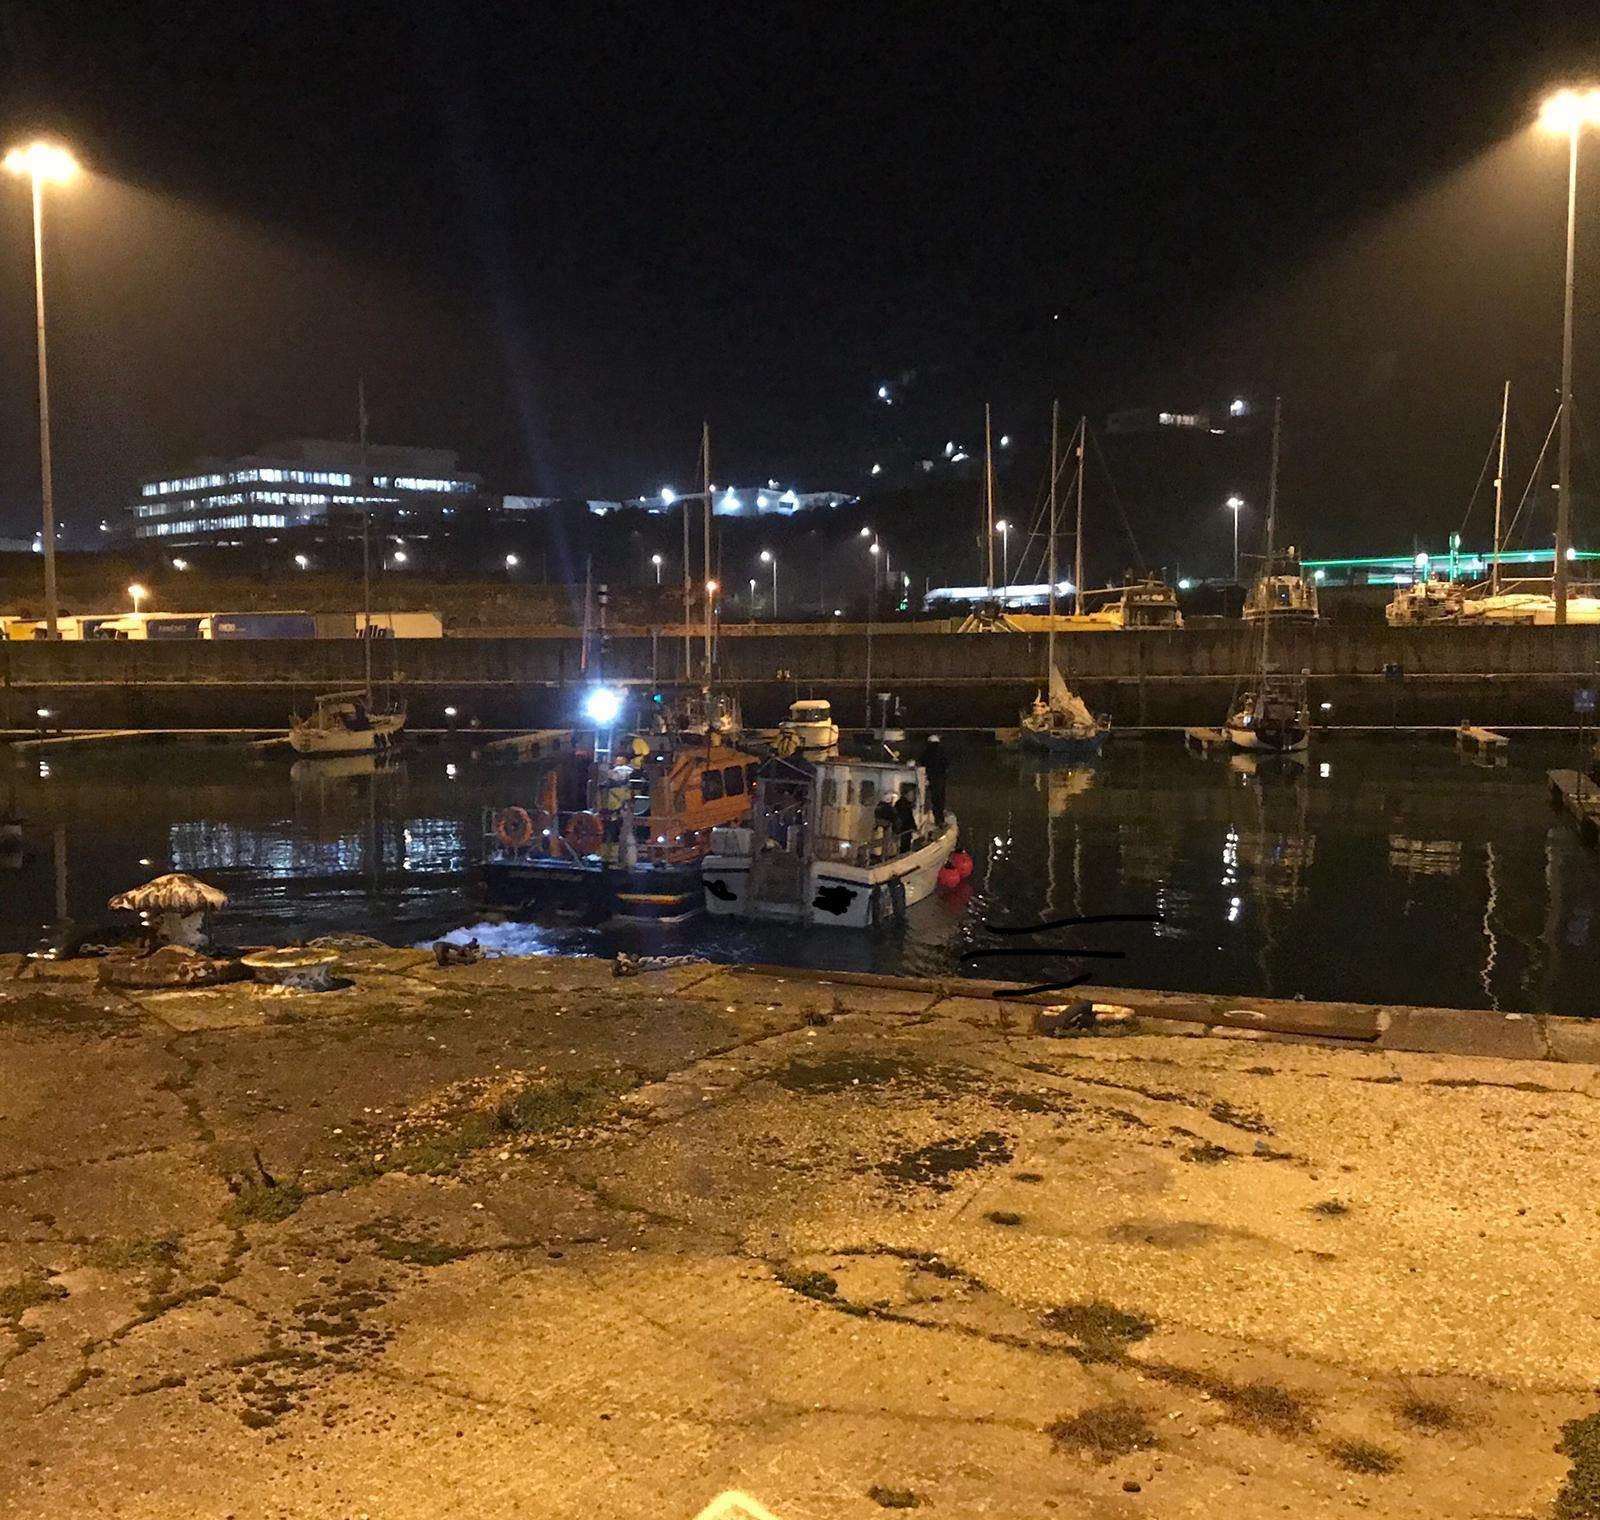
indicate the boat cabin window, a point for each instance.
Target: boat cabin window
{"x":733,"y":781}
{"x":830,"y":793}
{"x":711,"y":786}
{"x":867,"y":792}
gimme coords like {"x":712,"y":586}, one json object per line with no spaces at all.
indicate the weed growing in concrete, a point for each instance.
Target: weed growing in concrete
{"x":1579,"y":1498}
{"x":892,"y":1498}
{"x":932,"y":1165}
{"x":1269,"y":1406}
{"x":1364,"y":1457}
{"x":27,"y":1292}
{"x":535,"y":1108}
{"x":129,"y":1255}
{"x":1097,"y":1325}
{"x":1428,"y":1414}
{"x":817,"y":1285}
{"x":1104,"y":1432}
{"x":256,"y":1203}
{"x":416,"y":1253}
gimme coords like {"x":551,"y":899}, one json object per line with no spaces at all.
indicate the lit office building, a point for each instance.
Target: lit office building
{"x":306,"y":483}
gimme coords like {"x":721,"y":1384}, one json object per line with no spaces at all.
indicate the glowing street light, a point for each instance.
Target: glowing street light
{"x":655,"y":559}
{"x":1567,"y":112}
{"x":668,"y":496}
{"x":43,"y":163}
{"x":769,"y":558}
{"x":401,"y":557}
{"x":302,"y":562}
{"x":137,"y":593}
{"x":512,"y":561}
{"x":1235,"y":505}
{"x":1003,"y":528}
{"x":180,"y":564}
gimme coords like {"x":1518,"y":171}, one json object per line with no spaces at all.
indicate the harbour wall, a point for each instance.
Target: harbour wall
{"x":1367,"y":676}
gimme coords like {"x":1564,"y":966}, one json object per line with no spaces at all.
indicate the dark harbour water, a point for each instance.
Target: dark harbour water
{"x":1380,"y":870}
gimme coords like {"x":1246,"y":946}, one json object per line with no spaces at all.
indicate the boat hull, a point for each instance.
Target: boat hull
{"x":594,"y":892}
{"x":1066,"y":746}
{"x":383,"y":734}
{"x":842,"y":896}
{"x":1271,"y":741}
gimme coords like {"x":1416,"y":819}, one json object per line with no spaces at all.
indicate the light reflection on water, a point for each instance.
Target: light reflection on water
{"x":1378,"y":871}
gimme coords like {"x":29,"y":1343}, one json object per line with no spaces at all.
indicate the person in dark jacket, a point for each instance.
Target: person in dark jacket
{"x":936,"y":766}
{"x":905,"y":816}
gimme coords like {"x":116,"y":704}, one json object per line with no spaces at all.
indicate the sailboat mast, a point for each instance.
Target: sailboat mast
{"x":1050,"y":635}
{"x":1077,"y":566}
{"x":1272,"y":528}
{"x":988,"y":494}
{"x":688,"y":600}
{"x":1499,"y":490}
{"x":366,"y":537}
{"x":705,"y":481}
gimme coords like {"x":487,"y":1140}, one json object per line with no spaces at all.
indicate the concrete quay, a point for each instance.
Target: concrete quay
{"x":526,"y":1238}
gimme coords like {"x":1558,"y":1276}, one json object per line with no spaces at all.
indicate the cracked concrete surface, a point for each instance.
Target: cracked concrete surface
{"x":521,"y":1239}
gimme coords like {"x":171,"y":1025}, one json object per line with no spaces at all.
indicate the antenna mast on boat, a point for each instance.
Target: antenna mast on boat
{"x":1050,"y":634}
{"x":1272,"y":526}
{"x":705,"y":481}
{"x":1077,"y":568}
{"x":1499,"y":491}
{"x":366,"y":535}
{"x":988,"y":495}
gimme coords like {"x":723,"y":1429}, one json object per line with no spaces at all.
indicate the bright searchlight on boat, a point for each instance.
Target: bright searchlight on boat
{"x":602,"y":705}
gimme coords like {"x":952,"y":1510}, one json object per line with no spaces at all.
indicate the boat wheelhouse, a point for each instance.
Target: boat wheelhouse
{"x":1282,"y":593}
{"x":618,"y":837}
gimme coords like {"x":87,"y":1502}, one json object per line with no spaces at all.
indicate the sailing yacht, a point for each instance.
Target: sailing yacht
{"x":1059,"y":723}
{"x":352,"y":722}
{"x":1273,"y":712}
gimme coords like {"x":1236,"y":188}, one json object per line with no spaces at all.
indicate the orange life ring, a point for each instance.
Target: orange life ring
{"x":514,"y":828}
{"x":584,"y":834}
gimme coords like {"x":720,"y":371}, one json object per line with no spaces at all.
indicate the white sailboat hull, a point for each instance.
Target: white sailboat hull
{"x":845,"y":896}
{"x":383,"y":733}
{"x":1244,"y":738}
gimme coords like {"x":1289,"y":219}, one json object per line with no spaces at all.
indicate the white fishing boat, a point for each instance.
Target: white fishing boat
{"x":1142,"y":604}
{"x":1282,"y":593}
{"x":832,"y":841}
{"x":1059,"y":723}
{"x":1273,"y":712}
{"x":1436,"y":599}
{"x":809,"y":729}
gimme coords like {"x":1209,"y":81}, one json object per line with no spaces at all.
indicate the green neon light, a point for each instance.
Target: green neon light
{"x":1409,"y":561}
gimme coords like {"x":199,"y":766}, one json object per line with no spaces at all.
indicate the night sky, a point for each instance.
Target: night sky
{"x":556,"y":238}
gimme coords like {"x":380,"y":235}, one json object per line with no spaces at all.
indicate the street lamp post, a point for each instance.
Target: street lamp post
{"x":136,"y":594}
{"x":769,"y":558}
{"x":1567,"y":111}
{"x":1235,"y":505}
{"x":41,"y":162}
{"x":1003,"y":528}
{"x":655,"y":559}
